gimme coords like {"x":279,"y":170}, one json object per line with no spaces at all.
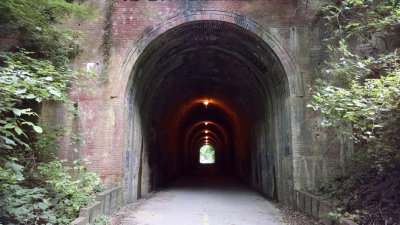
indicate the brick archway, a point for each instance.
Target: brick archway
{"x":294,"y":77}
{"x":136,"y":140}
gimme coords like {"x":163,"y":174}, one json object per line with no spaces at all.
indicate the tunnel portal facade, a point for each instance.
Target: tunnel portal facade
{"x":247,"y":90}
{"x":249,"y":60}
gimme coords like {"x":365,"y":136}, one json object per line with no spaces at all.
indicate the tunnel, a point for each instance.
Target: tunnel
{"x":216,"y":83}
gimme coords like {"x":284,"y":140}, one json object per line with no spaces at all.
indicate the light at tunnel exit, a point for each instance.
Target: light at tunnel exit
{"x":207,"y":154}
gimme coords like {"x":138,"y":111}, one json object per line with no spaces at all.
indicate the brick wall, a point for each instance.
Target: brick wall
{"x":103,"y":101}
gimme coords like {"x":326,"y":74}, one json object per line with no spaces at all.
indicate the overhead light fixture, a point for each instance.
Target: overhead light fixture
{"x":206,"y":123}
{"x":206,"y":131}
{"x":206,"y":102}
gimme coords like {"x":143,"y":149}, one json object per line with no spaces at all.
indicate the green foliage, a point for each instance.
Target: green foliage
{"x":35,"y":187}
{"x":69,"y":194}
{"x":10,"y":172}
{"x":364,"y":104}
{"x":56,"y":199}
{"x":339,"y":214}
{"x":101,"y":220}
{"x":370,"y":107}
{"x":207,"y":154}
{"x":46,"y":144}
{"x":364,"y":19}
{"x":26,"y":206}
{"x":25,"y":80}
{"x":358,"y":96}
{"x":35,"y":20}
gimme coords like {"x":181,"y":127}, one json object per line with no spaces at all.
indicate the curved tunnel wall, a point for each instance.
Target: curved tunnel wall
{"x":218,"y":138}
{"x":247,"y":89}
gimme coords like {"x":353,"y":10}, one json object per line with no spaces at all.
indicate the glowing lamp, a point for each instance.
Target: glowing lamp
{"x":205,"y":103}
{"x":206,"y":123}
{"x":206,"y":131}
{"x":206,"y":137}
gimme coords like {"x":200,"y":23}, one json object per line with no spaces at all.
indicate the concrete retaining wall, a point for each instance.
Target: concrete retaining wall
{"x":318,"y":208}
{"x":106,"y":203}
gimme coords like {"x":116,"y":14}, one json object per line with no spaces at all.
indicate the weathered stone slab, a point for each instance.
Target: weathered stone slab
{"x":106,"y":203}
{"x":318,"y":208}
{"x":80,"y":221}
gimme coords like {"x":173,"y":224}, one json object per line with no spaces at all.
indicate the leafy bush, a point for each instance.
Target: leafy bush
{"x":369,"y":107}
{"x":364,"y":104}
{"x":22,"y":205}
{"x":35,"y":187}
{"x":358,"y":96}
{"x":101,"y":220}
{"x":35,"y":20}
{"x":69,"y":194}
{"x":56,"y":199}
{"x":24,"y":81}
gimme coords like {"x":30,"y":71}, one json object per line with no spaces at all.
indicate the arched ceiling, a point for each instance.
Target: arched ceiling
{"x":216,"y":61}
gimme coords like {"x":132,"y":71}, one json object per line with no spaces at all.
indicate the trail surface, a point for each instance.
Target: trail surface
{"x":202,"y":199}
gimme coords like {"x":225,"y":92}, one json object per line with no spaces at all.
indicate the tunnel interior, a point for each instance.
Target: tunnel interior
{"x":209,"y":82}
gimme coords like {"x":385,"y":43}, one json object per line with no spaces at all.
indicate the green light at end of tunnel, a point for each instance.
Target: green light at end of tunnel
{"x":207,"y":154}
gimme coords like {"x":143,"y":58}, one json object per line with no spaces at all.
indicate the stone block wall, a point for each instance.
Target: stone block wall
{"x":318,"y":208}
{"x":312,"y":205}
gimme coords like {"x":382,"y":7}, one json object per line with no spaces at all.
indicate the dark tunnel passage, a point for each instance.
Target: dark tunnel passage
{"x":246,"y":119}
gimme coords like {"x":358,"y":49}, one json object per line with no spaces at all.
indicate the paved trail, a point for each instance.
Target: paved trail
{"x":205,"y":200}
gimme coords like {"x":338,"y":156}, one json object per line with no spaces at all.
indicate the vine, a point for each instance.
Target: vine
{"x":107,"y":42}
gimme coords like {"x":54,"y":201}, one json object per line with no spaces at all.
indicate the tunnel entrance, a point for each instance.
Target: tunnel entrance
{"x":246,"y":118}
